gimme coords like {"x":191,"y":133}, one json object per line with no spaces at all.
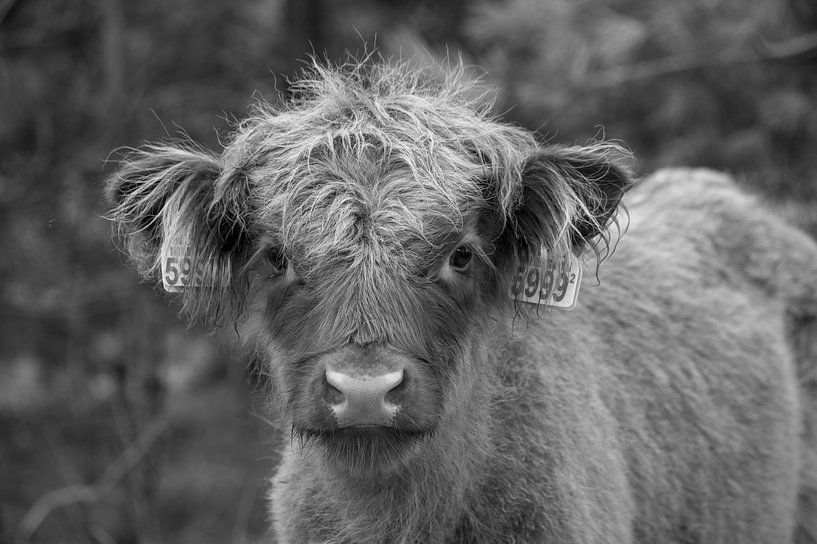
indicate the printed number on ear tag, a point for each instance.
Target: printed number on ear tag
{"x":557,"y":285}
{"x":180,"y":270}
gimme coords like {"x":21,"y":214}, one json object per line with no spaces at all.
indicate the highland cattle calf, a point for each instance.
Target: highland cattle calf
{"x":405,"y":266}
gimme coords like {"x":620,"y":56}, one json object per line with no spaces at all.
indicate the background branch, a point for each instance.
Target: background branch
{"x":642,"y":71}
{"x":60,"y":498}
{"x":5,"y":8}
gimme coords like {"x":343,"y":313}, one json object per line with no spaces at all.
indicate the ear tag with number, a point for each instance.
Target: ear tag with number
{"x":556,"y":286}
{"x":180,"y":269}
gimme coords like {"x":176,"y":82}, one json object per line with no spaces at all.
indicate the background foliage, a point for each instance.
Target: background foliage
{"x":118,"y":424}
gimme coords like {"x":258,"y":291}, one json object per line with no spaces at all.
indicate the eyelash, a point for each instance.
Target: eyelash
{"x":277,"y":260}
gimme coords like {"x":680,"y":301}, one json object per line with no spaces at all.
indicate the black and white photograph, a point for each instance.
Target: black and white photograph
{"x":417,"y":272}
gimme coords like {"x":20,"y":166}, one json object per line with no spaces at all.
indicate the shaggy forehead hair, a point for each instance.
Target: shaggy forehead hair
{"x":368,"y":159}
{"x":371,"y":169}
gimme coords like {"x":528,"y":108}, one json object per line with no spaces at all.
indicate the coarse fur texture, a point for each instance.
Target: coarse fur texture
{"x":373,"y":227}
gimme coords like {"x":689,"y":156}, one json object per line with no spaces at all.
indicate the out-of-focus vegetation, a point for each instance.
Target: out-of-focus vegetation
{"x":118,"y":424}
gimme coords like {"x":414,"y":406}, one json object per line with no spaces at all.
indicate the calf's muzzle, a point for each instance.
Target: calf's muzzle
{"x":372,"y":385}
{"x":361,"y":400}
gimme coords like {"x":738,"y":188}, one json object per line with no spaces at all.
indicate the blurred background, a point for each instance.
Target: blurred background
{"x":118,"y":423}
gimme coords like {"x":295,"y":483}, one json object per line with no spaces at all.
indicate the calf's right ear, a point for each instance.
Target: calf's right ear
{"x":174,"y":200}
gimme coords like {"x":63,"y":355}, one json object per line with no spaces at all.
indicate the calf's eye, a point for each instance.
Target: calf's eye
{"x":460,"y":258}
{"x":277,"y":261}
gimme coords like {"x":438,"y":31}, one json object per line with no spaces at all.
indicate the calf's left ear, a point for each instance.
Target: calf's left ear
{"x":567,"y":198}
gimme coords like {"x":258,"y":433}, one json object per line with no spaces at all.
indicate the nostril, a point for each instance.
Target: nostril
{"x":393,"y":380}
{"x":394,"y":392}
{"x":332,"y":394}
{"x":336,"y":380}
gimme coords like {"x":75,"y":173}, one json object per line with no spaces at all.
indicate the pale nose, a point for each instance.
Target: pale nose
{"x":361,"y":400}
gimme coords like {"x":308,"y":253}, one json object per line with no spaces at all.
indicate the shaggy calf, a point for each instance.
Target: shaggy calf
{"x":397,"y":258}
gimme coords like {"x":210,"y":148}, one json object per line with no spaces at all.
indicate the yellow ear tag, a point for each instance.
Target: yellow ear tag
{"x":180,"y":269}
{"x":556,"y":286}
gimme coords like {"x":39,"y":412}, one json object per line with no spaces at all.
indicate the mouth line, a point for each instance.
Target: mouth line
{"x":365,"y":451}
{"x":361,"y":434}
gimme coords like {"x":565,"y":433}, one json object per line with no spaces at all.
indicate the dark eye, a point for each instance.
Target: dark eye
{"x":460,"y":258}
{"x":277,"y":261}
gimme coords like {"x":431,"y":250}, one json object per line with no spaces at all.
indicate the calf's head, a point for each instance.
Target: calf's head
{"x":364,"y":237}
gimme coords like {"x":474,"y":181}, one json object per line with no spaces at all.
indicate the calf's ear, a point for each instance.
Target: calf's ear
{"x":177,"y":201}
{"x":566,"y":199}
